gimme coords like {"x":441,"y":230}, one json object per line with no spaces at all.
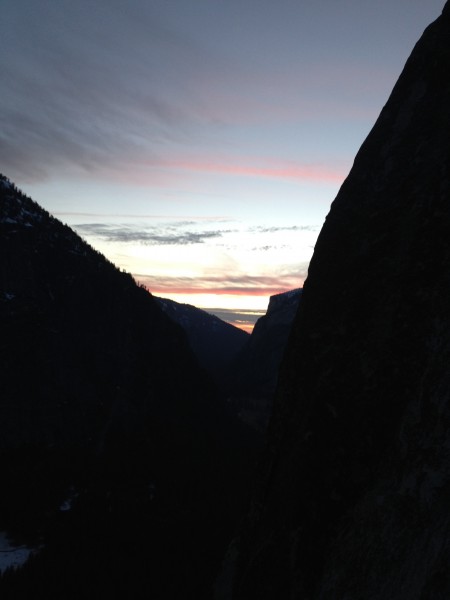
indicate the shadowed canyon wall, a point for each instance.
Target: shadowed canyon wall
{"x":353,"y":491}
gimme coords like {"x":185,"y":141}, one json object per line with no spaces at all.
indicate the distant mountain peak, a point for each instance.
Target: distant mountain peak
{"x":282,"y":300}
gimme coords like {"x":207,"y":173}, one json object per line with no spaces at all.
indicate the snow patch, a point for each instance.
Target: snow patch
{"x":12,"y":555}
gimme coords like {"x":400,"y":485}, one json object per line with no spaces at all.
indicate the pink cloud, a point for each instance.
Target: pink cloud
{"x":238,"y":285}
{"x":287,"y":170}
{"x":177,"y":171}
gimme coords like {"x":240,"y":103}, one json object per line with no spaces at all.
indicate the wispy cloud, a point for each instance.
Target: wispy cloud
{"x":159,"y":217}
{"x":100,"y":105}
{"x":98,"y":87}
{"x":150,"y":236}
{"x":77,"y":99}
{"x":275,"y":229}
{"x":184,"y":232}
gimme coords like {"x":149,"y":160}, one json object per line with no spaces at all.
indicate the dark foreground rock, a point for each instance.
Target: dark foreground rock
{"x":353,"y":493}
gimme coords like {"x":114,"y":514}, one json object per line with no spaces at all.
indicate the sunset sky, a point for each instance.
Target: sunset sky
{"x":197,"y":143}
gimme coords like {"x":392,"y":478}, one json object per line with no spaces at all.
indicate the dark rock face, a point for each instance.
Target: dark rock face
{"x":354,"y":489}
{"x":253,"y":376}
{"x":214,"y":342}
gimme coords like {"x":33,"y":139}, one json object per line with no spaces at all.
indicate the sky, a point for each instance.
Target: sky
{"x":198,"y":144}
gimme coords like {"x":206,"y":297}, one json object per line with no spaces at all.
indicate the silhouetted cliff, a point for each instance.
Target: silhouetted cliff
{"x":354,"y":489}
{"x":252,"y":377}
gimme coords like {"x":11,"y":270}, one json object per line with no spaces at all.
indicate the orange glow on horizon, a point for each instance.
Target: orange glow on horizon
{"x":256,"y":291}
{"x":237,"y":305}
{"x":241,"y":311}
{"x":255,"y":296}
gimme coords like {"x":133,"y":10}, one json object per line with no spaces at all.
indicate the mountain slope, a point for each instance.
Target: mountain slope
{"x":105,"y":409}
{"x":353,"y":493}
{"x":214,"y":342}
{"x":80,"y":339}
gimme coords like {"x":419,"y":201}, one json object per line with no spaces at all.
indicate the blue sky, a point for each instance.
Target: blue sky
{"x":197,"y":143}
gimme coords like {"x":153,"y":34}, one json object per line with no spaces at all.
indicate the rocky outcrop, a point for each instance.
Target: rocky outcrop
{"x":253,"y":375}
{"x":353,"y":493}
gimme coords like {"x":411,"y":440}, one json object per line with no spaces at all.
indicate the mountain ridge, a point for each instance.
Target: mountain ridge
{"x":50,"y":284}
